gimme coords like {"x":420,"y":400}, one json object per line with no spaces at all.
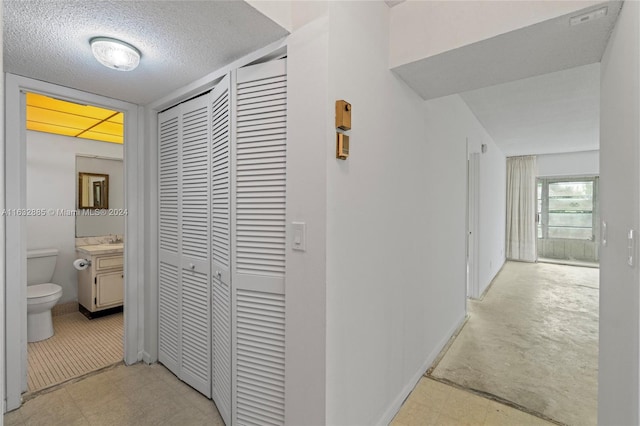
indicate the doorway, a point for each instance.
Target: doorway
{"x":473,"y":210}
{"x":16,"y":236}
{"x":534,"y":317}
{"x":75,"y":187}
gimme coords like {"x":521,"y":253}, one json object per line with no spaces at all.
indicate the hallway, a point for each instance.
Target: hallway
{"x":532,"y":341}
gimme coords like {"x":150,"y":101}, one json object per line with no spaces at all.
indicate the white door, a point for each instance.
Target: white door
{"x":221,"y":246}
{"x":258,"y":243}
{"x":195,"y":212}
{"x":169,"y":274}
{"x":473,"y":207}
{"x":184,"y":275}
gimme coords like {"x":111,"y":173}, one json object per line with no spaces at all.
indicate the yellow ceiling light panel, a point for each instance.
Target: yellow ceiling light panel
{"x":59,"y":118}
{"x":97,"y":136}
{"x":118,"y":118}
{"x":68,"y":107}
{"x":45,"y":114}
{"x":51,"y":128}
{"x":108,"y":127}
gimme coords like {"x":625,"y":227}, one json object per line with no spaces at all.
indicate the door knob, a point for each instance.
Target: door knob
{"x":192,"y":266}
{"x":219,"y":274}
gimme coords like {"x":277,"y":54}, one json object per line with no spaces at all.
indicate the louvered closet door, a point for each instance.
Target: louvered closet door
{"x":184,"y":270}
{"x":258,"y":244}
{"x":169,"y":274}
{"x":221,"y":246}
{"x":195,"y":367}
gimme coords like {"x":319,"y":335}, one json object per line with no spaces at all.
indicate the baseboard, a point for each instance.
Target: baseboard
{"x":395,"y":406}
{"x":490,"y":283}
{"x":146,"y":358}
{"x":64,"y":308}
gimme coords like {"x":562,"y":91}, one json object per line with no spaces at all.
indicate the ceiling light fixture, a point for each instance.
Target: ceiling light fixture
{"x":115,"y":54}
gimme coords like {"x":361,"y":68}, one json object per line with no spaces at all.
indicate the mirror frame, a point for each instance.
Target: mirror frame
{"x":105,"y":203}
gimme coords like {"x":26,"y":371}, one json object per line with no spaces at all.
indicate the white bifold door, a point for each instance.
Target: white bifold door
{"x":222,"y":243}
{"x":185,"y":265}
{"x":259,"y":204}
{"x":221,"y":246}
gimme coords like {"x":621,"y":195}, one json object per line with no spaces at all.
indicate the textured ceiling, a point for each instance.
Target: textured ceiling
{"x":180,"y":42}
{"x":552,"y":113}
{"x":549,"y":46}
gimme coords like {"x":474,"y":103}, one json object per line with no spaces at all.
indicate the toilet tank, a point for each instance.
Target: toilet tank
{"x":41,"y":264}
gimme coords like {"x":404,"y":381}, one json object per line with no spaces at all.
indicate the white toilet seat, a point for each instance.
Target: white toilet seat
{"x":43,"y":293}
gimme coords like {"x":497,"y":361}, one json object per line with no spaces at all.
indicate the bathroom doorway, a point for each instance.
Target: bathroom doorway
{"x":75,"y":188}
{"x":17,"y":228}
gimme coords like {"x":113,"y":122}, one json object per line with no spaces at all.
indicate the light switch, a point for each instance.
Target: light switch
{"x":299,"y":236}
{"x":631,"y":238}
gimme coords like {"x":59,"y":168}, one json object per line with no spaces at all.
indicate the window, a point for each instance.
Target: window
{"x":566,"y":208}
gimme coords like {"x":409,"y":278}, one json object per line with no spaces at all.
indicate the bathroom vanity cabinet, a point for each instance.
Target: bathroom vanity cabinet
{"x":101,"y":285}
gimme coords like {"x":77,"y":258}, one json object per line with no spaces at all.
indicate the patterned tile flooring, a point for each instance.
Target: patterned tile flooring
{"x":79,"y":346}
{"x":137,"y":395}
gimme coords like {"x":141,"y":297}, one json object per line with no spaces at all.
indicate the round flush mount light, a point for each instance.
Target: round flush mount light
{"x":115,"y":54}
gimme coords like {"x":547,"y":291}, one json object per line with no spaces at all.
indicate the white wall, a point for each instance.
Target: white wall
{"x":291,"y":14}
{"x":492,"y":194}
{"x":2,"y":238}
{"x":619,"y":190}
{"x":584,"y":163}
{"x":278,"y":11}
{"x":51,"y":183}
{"x":395,"y":225}
{"x":420,"y":29}
{"x":307,"y":80}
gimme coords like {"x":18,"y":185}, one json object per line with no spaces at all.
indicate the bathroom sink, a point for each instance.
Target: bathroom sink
{"x":113,"y":245}
{"x":92,"y":249}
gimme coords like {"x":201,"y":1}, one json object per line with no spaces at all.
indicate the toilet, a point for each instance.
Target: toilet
{"x":42,"y":295}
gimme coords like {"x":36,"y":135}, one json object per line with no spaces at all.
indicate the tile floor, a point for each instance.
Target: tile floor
{"x":136,"y":395}
{"x":435,"y":403}
{"x":150,"y":395}
{"x":79,"y":346}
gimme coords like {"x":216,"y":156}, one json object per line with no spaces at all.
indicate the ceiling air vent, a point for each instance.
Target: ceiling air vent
{"x":588,"y":17}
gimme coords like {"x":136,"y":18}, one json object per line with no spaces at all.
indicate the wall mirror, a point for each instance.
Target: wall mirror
{"x":93,"y":191}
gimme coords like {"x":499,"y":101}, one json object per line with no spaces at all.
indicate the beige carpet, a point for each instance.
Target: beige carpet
{"x":533,"y":340}
{"x":78,"y":346}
